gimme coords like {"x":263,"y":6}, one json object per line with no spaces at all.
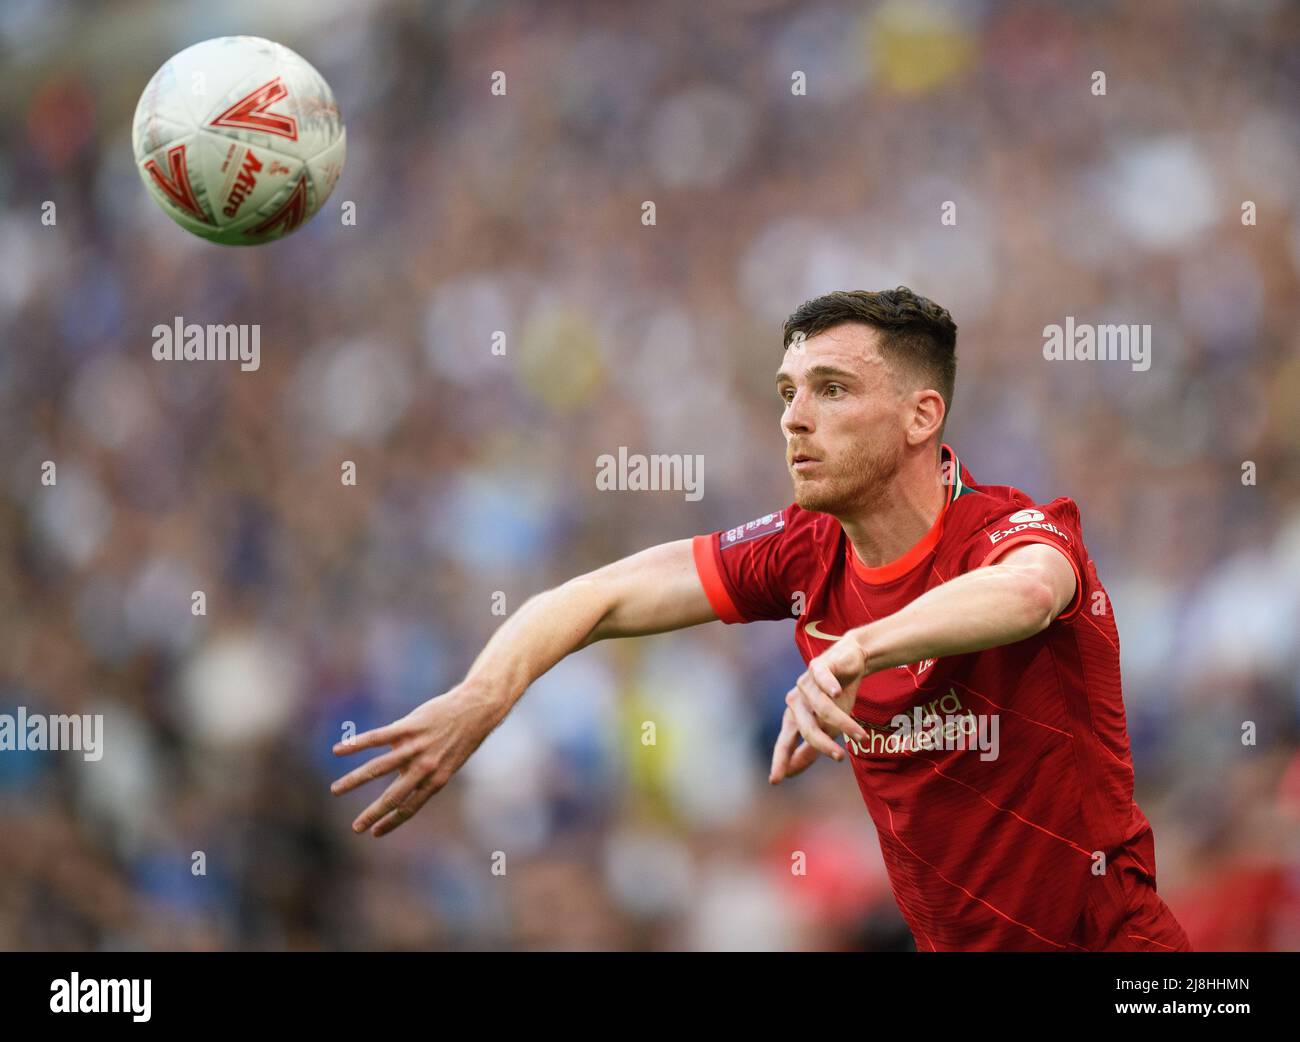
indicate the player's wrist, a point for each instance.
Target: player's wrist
{"x":865,"y":640}
{"x":494,"y":698}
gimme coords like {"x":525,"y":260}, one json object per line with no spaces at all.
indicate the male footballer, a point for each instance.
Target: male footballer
{"x":956,"y":635}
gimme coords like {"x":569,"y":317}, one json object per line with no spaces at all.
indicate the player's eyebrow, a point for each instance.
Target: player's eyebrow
{"x":828,"y":371}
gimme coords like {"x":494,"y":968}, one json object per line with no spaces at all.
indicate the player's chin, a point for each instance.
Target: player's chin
{"x":811,"y":494}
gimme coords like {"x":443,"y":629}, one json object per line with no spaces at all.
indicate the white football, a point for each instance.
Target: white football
{"x":239,"y":140}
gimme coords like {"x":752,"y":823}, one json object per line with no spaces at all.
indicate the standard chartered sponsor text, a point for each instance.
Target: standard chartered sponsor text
{"x":957,"y":728}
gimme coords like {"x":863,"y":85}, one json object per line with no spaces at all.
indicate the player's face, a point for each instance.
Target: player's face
{"x":843,"y":419}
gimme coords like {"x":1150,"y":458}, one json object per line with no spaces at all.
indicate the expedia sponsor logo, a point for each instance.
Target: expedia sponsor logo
{"x":1023,"y":519}
{"x":245,"y":181}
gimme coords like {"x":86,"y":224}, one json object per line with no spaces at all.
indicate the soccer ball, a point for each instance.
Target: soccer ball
{"x":238,"y":140}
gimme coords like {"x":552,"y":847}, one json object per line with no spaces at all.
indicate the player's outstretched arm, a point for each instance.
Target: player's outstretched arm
{"x":652,"y":591}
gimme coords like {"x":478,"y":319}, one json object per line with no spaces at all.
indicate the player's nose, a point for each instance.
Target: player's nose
{"x":798,"y":416}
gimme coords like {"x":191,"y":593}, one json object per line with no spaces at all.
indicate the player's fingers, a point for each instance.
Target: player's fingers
{"x":843,"y":692}
{"x":783,"y":747}
{"x":391,"y":799}
{"x":386,"y":735}
{"x":804,"y":757}
{"x":370,"y":770}
{"x":407,"y":810}
{"x":825,"y":678}
{"x":808,"y":727}
{"x":830,"y":714}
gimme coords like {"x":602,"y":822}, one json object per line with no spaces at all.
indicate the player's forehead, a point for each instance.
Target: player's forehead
{"x":850,"y":349}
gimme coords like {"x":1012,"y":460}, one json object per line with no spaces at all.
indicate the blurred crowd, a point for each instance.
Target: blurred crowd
{"x":208,"y":822}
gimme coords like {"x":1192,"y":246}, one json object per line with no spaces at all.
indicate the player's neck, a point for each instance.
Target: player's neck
{"x":901,"y":516}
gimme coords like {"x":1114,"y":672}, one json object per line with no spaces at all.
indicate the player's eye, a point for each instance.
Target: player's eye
{"x":834,"y":387}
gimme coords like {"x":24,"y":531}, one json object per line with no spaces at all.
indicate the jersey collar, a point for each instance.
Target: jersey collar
{"x":902,"y":565}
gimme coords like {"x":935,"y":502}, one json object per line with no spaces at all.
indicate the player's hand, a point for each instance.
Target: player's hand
{"x":817,"y":708}
{"x":429,"y":745}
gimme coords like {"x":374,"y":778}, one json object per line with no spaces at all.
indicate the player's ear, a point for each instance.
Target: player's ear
{"x":926,"y":416}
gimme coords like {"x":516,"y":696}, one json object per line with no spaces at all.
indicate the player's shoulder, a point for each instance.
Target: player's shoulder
{"x":792,"y":524}
{"x":979,"y":508}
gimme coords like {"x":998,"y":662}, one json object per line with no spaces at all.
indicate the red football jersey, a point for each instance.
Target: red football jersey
{"x":1028,"y":838}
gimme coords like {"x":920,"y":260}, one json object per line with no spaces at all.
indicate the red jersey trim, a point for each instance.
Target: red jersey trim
{"x":704,"y":549}
{"x":902,"y":565}
{"x":1030,"y":537}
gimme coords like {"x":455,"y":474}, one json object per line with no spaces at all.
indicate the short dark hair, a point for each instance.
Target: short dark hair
{"x":916,"y":333}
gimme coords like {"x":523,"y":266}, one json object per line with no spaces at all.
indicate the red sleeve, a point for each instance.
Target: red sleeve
{"x":1056,"y":523}
{"x":753,"y":571}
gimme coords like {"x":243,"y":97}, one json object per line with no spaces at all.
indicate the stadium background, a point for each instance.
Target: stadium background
{"x":522,"y":213}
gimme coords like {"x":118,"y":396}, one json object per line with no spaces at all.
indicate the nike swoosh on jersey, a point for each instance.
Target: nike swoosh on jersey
{"x":812,"y":631}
